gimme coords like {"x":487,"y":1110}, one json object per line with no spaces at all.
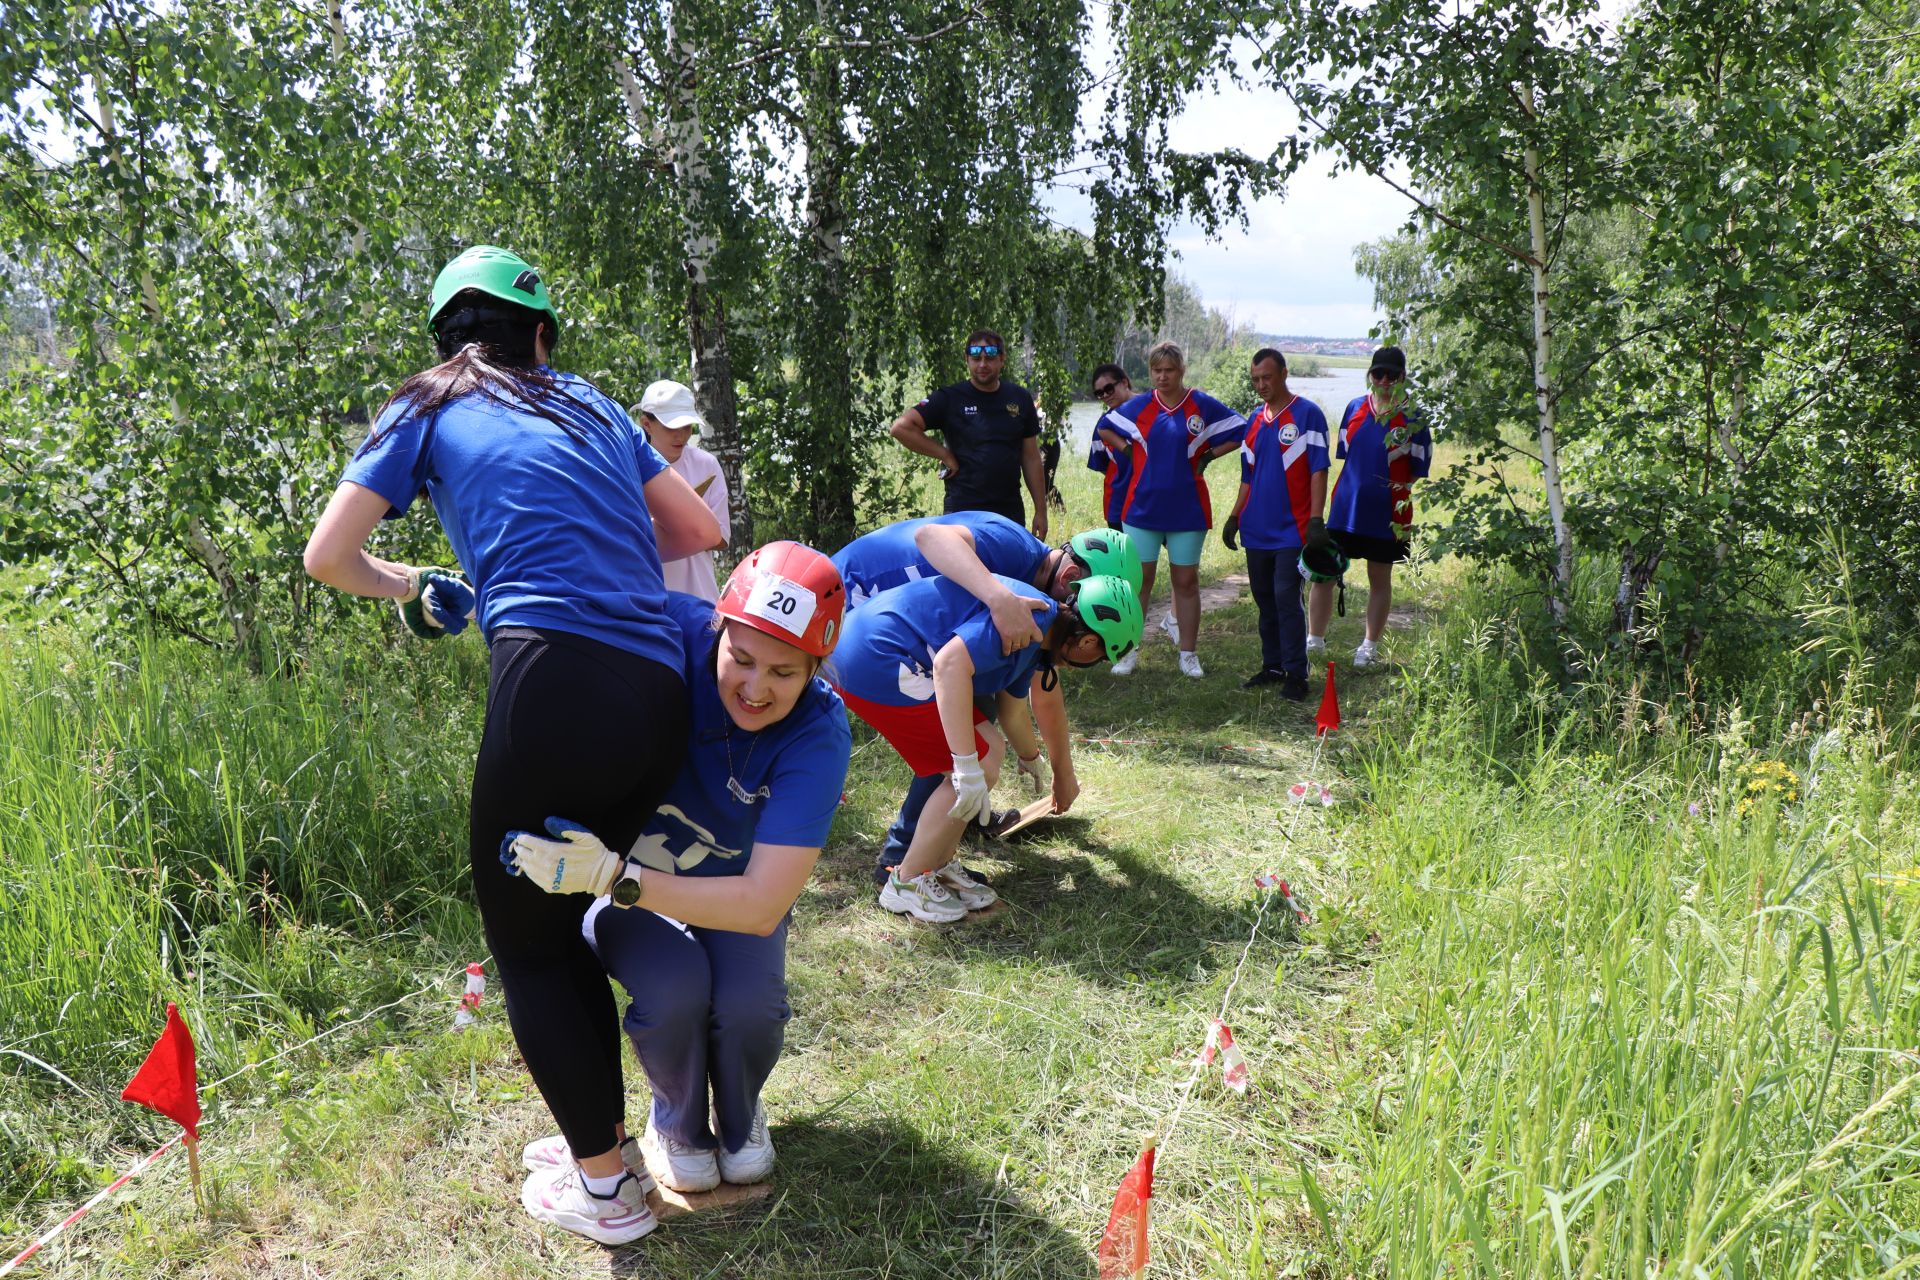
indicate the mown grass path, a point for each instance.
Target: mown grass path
{"x":953,"y":1101}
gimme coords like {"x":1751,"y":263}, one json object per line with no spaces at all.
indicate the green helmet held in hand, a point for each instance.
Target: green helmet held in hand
{"x":1110,"y":608}
{"x":498,"y":274}
{"x":1107,"y":553}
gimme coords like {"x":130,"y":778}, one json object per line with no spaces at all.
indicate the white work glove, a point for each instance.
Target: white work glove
{"x":1035,"y":770}
{"x":576,"y":862}
{"x":972,"y":797}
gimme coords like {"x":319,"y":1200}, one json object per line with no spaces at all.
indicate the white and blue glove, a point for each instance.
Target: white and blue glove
{"x":438,"y":603}
{"x":575,"y":862}
{"x":972,"y":797}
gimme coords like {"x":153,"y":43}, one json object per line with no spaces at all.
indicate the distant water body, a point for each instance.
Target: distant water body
{"x":1332,"y":393}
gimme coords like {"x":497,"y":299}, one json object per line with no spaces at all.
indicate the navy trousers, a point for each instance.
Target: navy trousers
{"x":708,"y":1016}
{"x":1275,"y":579}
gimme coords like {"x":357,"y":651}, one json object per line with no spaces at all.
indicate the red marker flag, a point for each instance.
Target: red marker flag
{"x":167,"y":1081}
{"x":1329,"y":717}
{"x":1123,"y":1247}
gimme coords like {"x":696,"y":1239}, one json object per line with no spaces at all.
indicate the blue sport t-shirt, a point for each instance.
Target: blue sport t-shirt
{"x":886,"y":651}
{"x":1117,"y":470}
{"x":550,"y":525}
{"x":789,"y":775}
{"x":1373,"y":495}
{"x":1278,"y":460}
{"x":1168,"y":446}
{"x":888,"y":558}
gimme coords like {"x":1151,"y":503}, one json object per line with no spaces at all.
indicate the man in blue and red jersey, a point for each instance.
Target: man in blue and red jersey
{"x":1386,"y":448}
{"x":1171,"y":433}
{"x":1283,"y":490}
{"x":1112,"y":388}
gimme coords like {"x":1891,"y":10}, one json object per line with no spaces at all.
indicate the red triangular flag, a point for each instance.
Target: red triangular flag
{"x":166,"y":1081}
{"x":1329,"y":717}
{"x":1123,"y":1247}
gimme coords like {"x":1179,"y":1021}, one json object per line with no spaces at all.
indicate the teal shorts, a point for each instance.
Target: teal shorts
{"x":1183,"y":545}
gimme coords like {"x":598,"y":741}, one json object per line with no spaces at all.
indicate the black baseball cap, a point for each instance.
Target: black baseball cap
{"x":1389,"y":358}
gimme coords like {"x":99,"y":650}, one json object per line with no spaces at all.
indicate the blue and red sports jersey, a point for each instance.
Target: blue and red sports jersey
{"x":1278,"y":460}
{"x":887,"y":647}
{"x":889,"y":557}
{"x":1167,"y":493}
{"x":1118,"y":470}
{"x":1374,"y":494}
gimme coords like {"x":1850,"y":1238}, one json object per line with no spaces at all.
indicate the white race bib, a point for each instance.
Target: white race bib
{"x":784,"y":603}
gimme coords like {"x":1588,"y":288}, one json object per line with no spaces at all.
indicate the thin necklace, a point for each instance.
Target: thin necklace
{"x":740,"y":793}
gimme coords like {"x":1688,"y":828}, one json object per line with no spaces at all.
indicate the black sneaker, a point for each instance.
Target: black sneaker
{"x":1295,"y":689}
{"x":1258,"y":678}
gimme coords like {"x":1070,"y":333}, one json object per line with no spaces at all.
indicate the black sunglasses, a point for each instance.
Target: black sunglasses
{"x":983,"y":349}
{"x":1103,"y":392}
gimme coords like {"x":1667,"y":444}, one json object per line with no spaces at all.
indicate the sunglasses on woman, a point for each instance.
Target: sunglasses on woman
{"x":1102,"y":393}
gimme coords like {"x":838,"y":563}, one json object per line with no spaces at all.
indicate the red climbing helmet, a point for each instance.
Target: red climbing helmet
{"x":791,"y":592}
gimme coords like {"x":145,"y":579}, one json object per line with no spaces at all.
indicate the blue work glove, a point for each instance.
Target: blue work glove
{"x":575,"y":862}
{"x":438,"y":603}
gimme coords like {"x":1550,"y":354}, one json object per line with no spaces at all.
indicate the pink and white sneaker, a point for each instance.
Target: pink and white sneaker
{"x":560,"y":1196}
{"x":552,"y":1152}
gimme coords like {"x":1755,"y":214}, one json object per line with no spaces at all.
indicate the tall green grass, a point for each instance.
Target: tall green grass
{"x":1637,"y":1011}
{"x":272,"y":853}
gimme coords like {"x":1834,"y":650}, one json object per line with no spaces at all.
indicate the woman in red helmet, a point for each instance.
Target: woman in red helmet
{"x":695,"y":925}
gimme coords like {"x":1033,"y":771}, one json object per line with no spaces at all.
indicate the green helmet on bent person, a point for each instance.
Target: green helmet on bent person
{"x":1107,"y":607}
{"x":1105,"y":553}
{"x":490,"y":295}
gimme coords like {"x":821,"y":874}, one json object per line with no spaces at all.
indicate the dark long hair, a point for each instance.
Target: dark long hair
{"x":487,"y":348}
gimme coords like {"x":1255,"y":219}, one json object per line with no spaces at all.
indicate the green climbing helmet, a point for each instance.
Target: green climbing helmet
{"x":1110,"y":608}
{"x":496,"y":273}
{"x":1107,"y":553}
{"x":1326,"y":563}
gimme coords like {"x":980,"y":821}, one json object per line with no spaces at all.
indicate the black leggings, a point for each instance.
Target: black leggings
{"x":584,"y":731}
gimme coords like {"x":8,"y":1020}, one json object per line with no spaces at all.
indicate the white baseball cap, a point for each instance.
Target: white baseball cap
{"x":672,"y":403}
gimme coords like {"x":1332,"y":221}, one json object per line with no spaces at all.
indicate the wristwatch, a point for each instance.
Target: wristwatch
{"x":626,"y":890}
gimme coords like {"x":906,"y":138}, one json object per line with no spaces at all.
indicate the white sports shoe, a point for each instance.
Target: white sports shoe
{"x":1316,"y":647}
{"x":1170,"y":626}
{"x":559,"y":1195}
{"x":1125,"y":666}
{"x":1190,"y":665}
{"x":753,"y":1162}
{"x":677,"y":1166}
{"x":552,"y":1152}
{"x":1365,"y":655}
{"x":923,"y":898}
{"x":973,"y":894}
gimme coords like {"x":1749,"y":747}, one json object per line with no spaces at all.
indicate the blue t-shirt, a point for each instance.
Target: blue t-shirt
{"x":550,"y":525}
{"x":886,"y":652}
{"x":791,"y":773}
{"x":1167,"y":493}
{"x":1118,"y":470}
{"x":1373,"y":496}
{"x":888,"y":558}
{"x":1278,"y":460}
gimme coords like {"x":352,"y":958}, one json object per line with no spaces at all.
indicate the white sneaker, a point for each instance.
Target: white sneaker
{"x":1365,"y":655}
{"x":1317,"y":647}
{"x":559,"y":1195}
{"x":1190,"y":665}
{"x":923,"y":898}
{"x":1170,"y":627}
{"x":753,"y":1162}
{"x":973,"y":894}
{"x":677,"y":1166}
{"x":1125,"y":666}
{"x":552,"y":1152}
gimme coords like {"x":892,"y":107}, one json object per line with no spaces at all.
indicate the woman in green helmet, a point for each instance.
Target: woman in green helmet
{"x":914,"y":661}
{"x":560,"y":513}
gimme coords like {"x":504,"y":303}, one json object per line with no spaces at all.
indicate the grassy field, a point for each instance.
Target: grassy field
{"x":1599,"y":983}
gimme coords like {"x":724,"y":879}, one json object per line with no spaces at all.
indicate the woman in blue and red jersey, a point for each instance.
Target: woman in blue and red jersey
{"x":1370,"y":513}
{"x":1112,"y":388}
{"x":1169,"y":435}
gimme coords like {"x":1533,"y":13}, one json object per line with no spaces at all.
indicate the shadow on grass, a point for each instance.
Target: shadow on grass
{"x":864,"y":1198}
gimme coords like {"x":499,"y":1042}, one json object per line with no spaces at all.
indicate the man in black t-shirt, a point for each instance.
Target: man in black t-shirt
{"x":989,"y":437}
